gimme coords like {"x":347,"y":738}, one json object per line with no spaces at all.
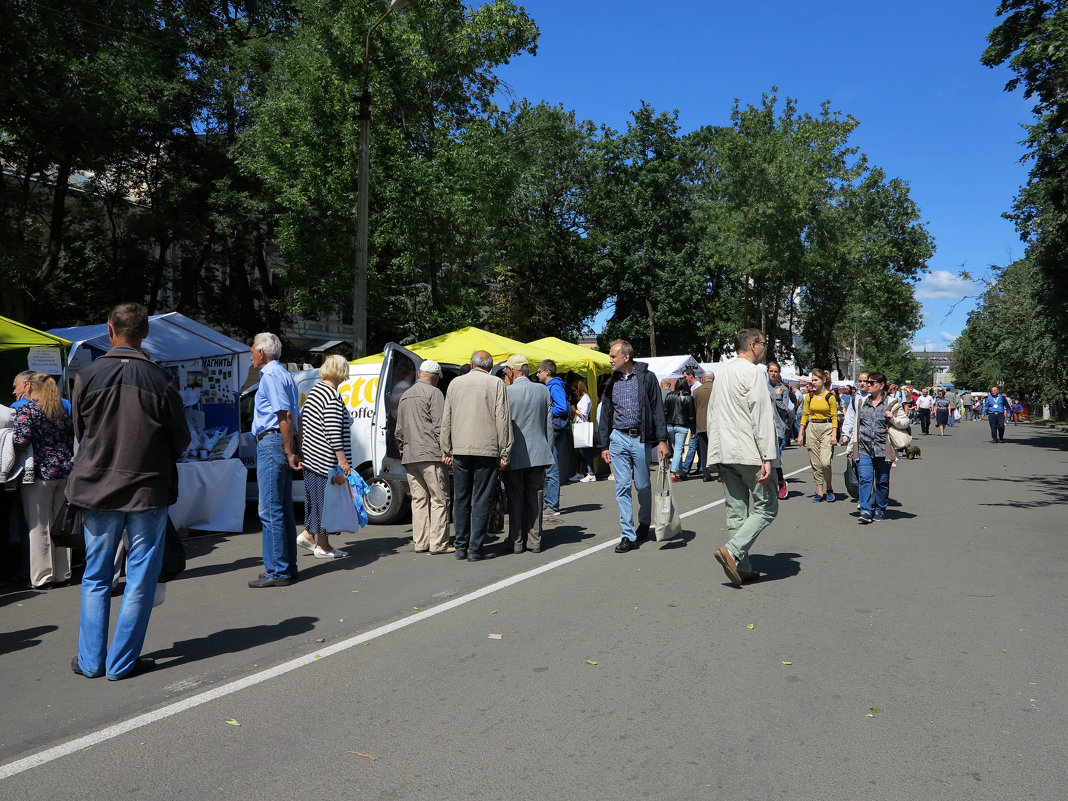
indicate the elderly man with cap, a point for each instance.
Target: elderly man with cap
{"x":418,"y":436}
{"x":531,"y":408}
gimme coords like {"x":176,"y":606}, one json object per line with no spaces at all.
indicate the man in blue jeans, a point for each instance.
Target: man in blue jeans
{"x":131,"y":429}
{"x":561,"y":412}
{"x":631,"y":419}
{"x":274,"y":424}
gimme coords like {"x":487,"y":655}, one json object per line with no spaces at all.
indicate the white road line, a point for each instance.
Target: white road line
{"x":110,"y":732}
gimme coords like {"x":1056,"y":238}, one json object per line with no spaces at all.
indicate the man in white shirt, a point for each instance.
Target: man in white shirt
{"x":742,"y":446}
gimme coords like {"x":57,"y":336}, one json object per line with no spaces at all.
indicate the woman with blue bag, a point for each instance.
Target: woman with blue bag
{"x":325,"y":426}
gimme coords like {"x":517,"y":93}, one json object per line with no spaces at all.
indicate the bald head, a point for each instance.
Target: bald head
{"x":482,"y":360}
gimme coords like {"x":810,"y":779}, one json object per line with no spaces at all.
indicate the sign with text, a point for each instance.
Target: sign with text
{"x":45,"y":360}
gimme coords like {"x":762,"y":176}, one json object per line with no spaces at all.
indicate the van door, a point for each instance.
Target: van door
{"x":388,"y":486}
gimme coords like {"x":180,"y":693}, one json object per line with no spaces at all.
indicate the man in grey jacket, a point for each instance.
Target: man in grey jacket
{"x":418,"y":436}
{"x":476,"y":438}
{"x":131,"y":429}
{"x":531,"y":409}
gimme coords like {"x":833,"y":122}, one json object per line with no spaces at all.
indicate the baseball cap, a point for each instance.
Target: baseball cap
{"x":517,"y":362}
{"x":430,"y":366}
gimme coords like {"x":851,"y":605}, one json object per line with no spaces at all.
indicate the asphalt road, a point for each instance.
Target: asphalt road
{"x":392,"y":675}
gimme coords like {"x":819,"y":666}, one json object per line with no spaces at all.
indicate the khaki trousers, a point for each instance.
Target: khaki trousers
{"x":41,"y":502}
{"x":818,"y":435}
{"x":430,"y":524}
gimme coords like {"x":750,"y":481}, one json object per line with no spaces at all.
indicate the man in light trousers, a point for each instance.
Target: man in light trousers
{"x":742,"y":446}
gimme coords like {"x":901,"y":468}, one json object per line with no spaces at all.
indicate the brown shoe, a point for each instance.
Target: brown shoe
{"x":450,"y":549}
{"x":748,"y":575}
{"x":723,"y":556}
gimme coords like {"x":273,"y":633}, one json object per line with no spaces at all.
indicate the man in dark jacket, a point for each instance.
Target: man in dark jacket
{"x":561,"y":414}
{"x":131,"y":429}
{"x":631,"y":419}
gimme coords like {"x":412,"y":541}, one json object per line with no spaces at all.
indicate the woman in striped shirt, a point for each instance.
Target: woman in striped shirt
{"x":325,"y":426}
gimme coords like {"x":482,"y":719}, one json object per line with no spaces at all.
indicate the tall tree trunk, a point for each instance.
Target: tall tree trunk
{"x":652,"y":327}
{"x":55,"y":228}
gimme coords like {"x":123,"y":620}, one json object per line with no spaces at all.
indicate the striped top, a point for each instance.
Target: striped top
{"x":325,"y":424}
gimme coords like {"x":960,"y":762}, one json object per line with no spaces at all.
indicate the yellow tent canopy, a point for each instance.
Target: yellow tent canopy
{"x":14,"y":335}
{"x":456,"y":347}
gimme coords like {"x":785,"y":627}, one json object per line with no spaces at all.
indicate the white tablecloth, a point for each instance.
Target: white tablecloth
{"x":211,"y":496}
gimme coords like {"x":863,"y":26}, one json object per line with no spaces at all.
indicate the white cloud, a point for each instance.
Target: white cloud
{"x":948,"y":336}
{"x":944,"y":285}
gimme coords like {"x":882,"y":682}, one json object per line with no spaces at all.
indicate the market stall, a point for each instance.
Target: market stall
{"x":209,"y":369}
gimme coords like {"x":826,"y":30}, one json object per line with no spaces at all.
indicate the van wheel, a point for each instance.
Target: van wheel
{"x":383,"y":502}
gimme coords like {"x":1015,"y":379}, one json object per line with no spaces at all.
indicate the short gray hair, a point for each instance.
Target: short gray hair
{"x":270,"y":344}
{"x":483,"y":362}
{"x":625,"y":348}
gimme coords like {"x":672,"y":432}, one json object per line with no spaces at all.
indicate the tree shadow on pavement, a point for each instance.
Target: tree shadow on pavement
{"x":11,"y":641}
{"x":1052,"y":489}
{"x":230,"y":641}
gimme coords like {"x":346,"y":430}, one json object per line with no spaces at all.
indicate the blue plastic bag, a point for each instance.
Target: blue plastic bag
{"x":359,"y":490}
{"x":338,"y":511}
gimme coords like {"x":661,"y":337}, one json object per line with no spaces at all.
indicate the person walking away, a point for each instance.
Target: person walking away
{"x":701,"y":391}
{"x":741,"y":443}
{"x":561,"y":413}
{"x":818,"y":422}
{"x":326,"y":429}
{"x":581,"y":411}
{"x":530,"y":407}
{"x":873,"y":449}
{"x":994,"y":407}
{"x":418,"y":436}
{"x":681,"y":416}
{"x":942,"y":407}
{"x":784,"y":412}
{"x":131,"y":430}
{"x":44,"y":425}
{"x":476,"y":440}
{"x":274,"y":424}
{"x":924,"y":404}
{"x":631,"y":420}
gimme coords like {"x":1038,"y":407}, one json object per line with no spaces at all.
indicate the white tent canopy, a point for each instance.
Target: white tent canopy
{"x":670,"y":366}
{"x":171,"y":337}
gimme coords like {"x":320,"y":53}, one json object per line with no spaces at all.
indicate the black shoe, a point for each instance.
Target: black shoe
{"x":266,"y":581}
{"x":625,"y":545}
{"x":478,"y":557}
{"x":461,"y":554}
{"x":77,"y":668}
{"x":142,"y":665}
{"x":641,"y":533}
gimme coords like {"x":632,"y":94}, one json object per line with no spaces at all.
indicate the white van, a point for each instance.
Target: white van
{"x":371,"y":393}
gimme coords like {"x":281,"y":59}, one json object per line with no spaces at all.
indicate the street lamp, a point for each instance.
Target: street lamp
{"x":363,"y":116}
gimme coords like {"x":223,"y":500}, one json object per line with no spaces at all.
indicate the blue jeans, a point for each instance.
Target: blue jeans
{"x":472,"y":494}
{"x":873,"y":474}
{"x":630,"y":464}
{"x":677,"y":438}
{"x":552,"y":472}
{"x":103,"y":530}
{"x":275,"y":484}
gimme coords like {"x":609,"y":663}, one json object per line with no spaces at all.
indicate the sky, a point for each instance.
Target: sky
{"x":930,"y":113}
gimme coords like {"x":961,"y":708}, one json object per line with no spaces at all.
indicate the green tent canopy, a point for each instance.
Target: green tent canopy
{"x":14,"y":336}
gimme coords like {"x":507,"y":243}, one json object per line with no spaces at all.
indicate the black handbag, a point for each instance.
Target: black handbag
{"x":852,"y":478}
{"x":173,"y":554}
{"x":67,"y":529}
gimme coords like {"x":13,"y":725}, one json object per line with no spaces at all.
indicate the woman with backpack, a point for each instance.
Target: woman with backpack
{"x":819,"y":421}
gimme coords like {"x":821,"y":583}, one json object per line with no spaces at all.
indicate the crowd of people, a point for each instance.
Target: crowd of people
{"x":459,"y":448}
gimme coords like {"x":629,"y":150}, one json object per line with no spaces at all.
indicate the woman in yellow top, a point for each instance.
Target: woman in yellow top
{"x":818,"y":422}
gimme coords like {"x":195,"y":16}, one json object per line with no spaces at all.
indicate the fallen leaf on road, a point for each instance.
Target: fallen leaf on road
{"x":749,"y":625}
{"x":233,"y":722}
{"x":321,"y":639}
{"x":787,"y":663}
{"x":672,"y":604}
{"x":591,"y":661}
{"x":365,"y":756}
{"x":496,"y":636}
{"x":493,"y":612}
{"x":874,"y":711}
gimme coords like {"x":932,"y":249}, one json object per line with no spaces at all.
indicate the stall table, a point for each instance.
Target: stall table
{"x":211,"y":496}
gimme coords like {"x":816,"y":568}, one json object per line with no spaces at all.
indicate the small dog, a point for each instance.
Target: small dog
{"x":913,"y":452}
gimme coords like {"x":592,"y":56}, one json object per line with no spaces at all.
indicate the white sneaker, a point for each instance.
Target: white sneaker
{"x":304,"y":542}
{"x":611,"y":477}
{"x":588,"y":479}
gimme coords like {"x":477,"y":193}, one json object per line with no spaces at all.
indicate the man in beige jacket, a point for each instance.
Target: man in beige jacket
{"x":741,"y":445}
{"x":476,"y":438}
{"x":418,"y":435}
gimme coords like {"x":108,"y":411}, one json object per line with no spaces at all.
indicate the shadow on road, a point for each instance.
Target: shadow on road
{"x":1052,"y":488}
{"x":232,"y":641}
{"x":685,"y":537}
{"x":11,"y":641}
{"x":776,"y":567}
